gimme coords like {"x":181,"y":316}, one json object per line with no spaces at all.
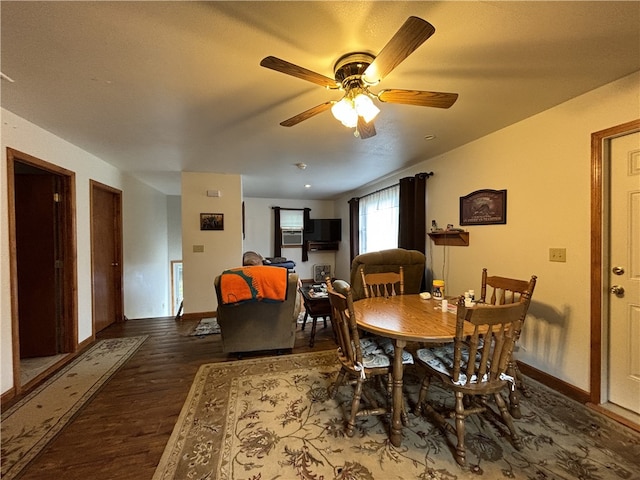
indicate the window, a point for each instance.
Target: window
{"x":291,"y":224}
{"x":291,"y":219}
{"x":379,"y":215}
{"x":287,"y":219}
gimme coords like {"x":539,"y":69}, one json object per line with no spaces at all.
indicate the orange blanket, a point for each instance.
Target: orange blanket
{"x":255,"y":283}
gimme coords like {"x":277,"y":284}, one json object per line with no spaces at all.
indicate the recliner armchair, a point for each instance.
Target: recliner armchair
{"x":413,"y":265}
{"x":254,"y":326}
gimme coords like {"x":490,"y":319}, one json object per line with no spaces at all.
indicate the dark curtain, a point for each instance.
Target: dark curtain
{"x":412,"y":228}
{"x":277,"y":238}
{"x":305,"y":226}
{"x":354,"y":227}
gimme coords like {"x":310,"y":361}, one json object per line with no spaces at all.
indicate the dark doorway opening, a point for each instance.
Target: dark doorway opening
{"x":42,"y":241}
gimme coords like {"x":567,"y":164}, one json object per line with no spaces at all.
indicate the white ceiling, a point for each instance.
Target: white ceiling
{"x":156,"y":88}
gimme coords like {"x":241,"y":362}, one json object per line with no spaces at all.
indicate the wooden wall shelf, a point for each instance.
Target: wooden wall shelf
{"x":322,"y":246}
{"x":457,"y":239}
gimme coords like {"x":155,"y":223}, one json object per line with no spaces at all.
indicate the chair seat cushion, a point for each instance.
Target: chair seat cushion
{"x":382,"y":346}
{"x":377,"y":352}
{"x":440,"y":359}
{"x":376,"y":360}
{"x":372,"y":355}
{"x":387,"y":347}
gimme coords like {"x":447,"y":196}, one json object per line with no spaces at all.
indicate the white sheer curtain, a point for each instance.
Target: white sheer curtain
{"x":379,"y":214}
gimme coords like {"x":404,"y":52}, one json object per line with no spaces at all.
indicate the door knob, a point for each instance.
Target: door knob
{"x":617,"y":290}
{"x":618,"y":270}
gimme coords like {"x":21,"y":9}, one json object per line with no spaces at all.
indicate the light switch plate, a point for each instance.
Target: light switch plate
{"x":198,"y":248}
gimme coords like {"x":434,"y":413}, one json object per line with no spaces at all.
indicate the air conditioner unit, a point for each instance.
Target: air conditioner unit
{"x":291,"y":237}
{"x":321,"y":272}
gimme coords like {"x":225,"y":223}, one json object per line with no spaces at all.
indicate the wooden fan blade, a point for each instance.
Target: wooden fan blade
{"x":283,"y":66}
{"x":413,"y":33}
{"x":365,"y":130}
{"x":306,"y":114}
{"x":419,"y":98}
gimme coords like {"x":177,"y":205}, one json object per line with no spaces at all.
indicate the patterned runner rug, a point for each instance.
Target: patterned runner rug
{"x":209,"y":326}
{"x":206,"y":326}
{"x":270,"y":418}
{"x":32,"y":422}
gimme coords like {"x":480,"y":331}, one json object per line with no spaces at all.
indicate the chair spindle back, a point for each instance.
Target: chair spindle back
{"x":382,"y":284}
{"x":496,"y":329}
{"x":344,"y":320}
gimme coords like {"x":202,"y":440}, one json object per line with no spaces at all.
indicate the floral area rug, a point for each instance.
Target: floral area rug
{"x":32,"y":422}
{"x":271,"y":418}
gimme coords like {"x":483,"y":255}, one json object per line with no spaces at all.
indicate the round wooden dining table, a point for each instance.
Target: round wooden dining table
{"x":404,"y":318}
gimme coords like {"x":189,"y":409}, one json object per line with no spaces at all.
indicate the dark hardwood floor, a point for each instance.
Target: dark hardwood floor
{"x":121,"y":433}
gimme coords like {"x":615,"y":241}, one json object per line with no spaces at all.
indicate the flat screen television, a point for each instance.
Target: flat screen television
{"x":323,"y":230}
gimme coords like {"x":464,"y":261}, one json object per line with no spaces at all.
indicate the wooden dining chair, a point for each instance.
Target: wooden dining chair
{"x":501,"y":291}
{"x":382,"y":284}
{"x":361,"y":360}
{"x":473,"y":367}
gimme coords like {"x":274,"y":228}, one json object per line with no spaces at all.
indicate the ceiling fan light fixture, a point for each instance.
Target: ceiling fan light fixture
{"x":345,"y":113}
{"x":365,"y":107}
{"x":354,"y":104}
{"x":351,"y":120}
{"x":355,"y":72}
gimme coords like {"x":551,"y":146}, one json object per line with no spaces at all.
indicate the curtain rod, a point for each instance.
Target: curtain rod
{"x":428,"y":174}
{"x":287,"y":208}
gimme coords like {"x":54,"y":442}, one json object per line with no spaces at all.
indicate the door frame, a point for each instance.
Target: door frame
{"x":600,"y":170}
{"x":70,"y":278}
{"x":117,"y":221}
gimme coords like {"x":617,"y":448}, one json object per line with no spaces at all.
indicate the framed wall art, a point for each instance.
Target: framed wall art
{"x":484,"y":207}
{"x":212,"y":221}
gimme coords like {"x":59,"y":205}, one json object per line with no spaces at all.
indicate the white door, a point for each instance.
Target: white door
{"x":624,"y":274}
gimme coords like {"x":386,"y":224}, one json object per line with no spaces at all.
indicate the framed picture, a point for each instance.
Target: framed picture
{"x":484,"y":207}
{"x":212,"y":221}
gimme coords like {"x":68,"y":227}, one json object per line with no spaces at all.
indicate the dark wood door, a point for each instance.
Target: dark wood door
{"x":106,"y":241}
{"x":39,"y":291}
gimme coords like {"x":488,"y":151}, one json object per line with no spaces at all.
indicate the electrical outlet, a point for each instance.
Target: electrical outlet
{"x":557,"y":254}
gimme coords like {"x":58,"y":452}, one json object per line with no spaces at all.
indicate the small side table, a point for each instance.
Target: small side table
{"x":316,"y":306}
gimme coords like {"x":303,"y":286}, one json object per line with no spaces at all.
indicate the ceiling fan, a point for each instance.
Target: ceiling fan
{"x":356,"y":72}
